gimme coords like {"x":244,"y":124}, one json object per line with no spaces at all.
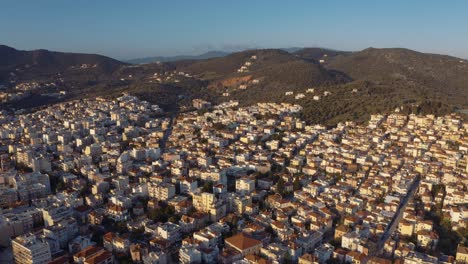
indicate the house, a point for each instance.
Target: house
{"x":426,"y":225}
{"x":406,"y":228}
{"x":30,"y":249}
{"x":253,"y":259}
{"x":377,"y":260}
{"x":309,"y":239}
{"x":340,"y":254}
{"x":462,"y":254}
{"x":428,"y":239}
{"x":115,"y":242}
{"x":324,"y":252}
{"x":93,"y":254}
{"x":137,"y":251}
{"x":105,"y":257}
{"x":189,"y":253}
{"x":95,"y":218}
{"x":244,"y":244}
{"x":299,"y":96}
{"x":79,"y":243}
{"x":60,"y":260}
{"x":155,"y":257}
{"x":200,"y":104}
{"x":308,"y":259}
{"x":230,"y":255}
{"x":170,"y":232}
{"x":418,"y":257}
{"x":188,"y":185}
{"x":355,"y":257}
{"x":116,"y":212}
{"x":340,"y":231}
{"x":245,"y":185}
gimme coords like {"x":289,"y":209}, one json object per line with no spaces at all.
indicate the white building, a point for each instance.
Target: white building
{"x":29,"y":249}
{"x":161,"y":191}
{"x":245,"y":185}
{"x":169,"y":231}
{"x":189,"y":254}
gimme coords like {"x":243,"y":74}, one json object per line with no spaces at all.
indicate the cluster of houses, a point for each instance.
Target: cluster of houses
{"x":169,"y":76}
{"x":247,"y":64}
{"x":112,"y":180}
{"x":31,"y":86}
{"x":27,"y":89}
{"x":315,"y":97}
{"x":84,"y":66}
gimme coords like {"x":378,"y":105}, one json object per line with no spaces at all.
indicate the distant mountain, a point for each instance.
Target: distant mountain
{"x":270,"y":65}
{"x":204,"y":56}
{"x":318,"y":53}
{"x":268,"y":75}
{"x":346,"y":85}
{"x":291,"y":49}
{"x":357,"y":83}
{"x":20,"y":64}
{"x":441,"y":77}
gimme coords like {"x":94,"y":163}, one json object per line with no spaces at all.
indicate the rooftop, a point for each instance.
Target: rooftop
{"x":242,"y":242}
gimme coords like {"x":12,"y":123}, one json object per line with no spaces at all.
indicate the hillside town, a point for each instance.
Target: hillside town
{"x":120,"y":181}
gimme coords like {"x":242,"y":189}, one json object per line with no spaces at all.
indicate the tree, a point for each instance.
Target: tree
{"x":219,"y":126}
{"x":446,"y":223}
{"x":121,"y":227}
{"x":336,"y":243}
{"x":23,"y":167}
{"x":287,"y":258}
{"x":174,"y":219}
{"x":208,"y":187}
{"x":163,"y":214}
{"x":60,"y":186}
{"x":124,"y":259}
{"x":97,"y":236}
{"x":437,"y":188}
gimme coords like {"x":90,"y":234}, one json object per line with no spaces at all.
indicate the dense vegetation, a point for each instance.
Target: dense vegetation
{"x":360,"y":83}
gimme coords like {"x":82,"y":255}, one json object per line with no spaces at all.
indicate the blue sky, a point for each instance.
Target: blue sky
{"x":131,"y":29}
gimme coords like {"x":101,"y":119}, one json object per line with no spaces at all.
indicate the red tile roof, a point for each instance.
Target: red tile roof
{"x":242,"y":242}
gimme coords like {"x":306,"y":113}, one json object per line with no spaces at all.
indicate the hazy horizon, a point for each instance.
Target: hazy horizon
{"x":127,"y":30}
{"x":231,"y":51}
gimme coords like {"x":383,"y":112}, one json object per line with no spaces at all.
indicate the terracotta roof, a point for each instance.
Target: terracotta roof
{"x":357,"y":255}
{"x":308,"y":257}
{"x":89,"y":251}
{"x":108,"y":237}
{"x":242,"y":242}
{"x":377,"y":260}
{"x":60,"y":260}
{"x":99,"y":258}
{"x":256,"y":259}
{"x":462,"y":250}
{"x":82,"y":208}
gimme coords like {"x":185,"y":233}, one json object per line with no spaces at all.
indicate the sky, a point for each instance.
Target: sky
{"x":134,"y":29}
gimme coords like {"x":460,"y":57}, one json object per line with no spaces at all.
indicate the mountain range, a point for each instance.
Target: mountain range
{"x":204,"y":56}
{"x":346,"y":85}
{"x":30,"y":64}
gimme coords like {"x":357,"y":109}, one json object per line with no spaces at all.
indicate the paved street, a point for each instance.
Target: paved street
{"x":397,"y":217}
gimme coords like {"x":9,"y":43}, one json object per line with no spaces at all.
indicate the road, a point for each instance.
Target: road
{"x":167,"y":134}
{"x":397,"y":217}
